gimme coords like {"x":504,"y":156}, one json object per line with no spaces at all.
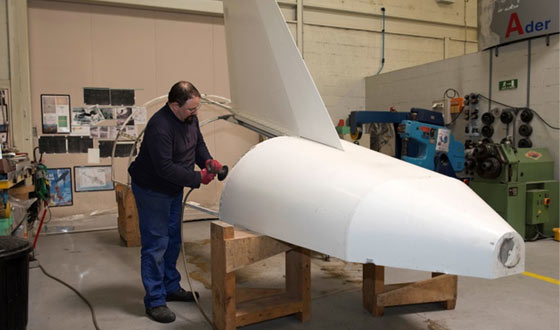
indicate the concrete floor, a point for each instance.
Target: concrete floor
{"x":108,"y":274}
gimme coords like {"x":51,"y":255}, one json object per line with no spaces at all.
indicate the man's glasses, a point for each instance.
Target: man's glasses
{"x":193,"y":109}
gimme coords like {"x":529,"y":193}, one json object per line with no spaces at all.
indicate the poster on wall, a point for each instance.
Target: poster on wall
{"x":60,"y":180}
{"x":93,"y":178}
{"x":55,"y":110}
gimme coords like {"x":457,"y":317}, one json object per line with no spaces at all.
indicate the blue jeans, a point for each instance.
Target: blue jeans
{"x":160,"y":229}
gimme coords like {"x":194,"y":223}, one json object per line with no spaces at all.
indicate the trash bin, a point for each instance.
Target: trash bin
{"x":14,"y":282}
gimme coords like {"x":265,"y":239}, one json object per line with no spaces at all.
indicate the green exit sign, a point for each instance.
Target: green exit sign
{"x":508,"y":84}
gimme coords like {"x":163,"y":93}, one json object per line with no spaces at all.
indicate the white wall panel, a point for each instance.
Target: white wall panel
{"x":340,"y":59}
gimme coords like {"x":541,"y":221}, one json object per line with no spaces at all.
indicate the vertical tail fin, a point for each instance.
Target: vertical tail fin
{"x":270,"y":84}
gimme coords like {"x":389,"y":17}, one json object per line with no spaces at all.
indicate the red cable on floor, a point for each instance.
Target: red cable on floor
{"x":40,"y":225}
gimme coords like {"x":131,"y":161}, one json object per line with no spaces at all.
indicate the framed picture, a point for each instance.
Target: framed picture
{"x":3,"y":110}
{"x":55,"y":110}
{"x":60,"y":180}
{"x":93,"y":178}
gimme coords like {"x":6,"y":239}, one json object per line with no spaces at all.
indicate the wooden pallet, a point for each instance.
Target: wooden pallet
{"x":129,"y":229}
{"x":233,"y":307}
{"x":376,"y":295}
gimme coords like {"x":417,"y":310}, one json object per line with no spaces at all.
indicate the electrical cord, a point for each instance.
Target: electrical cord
{"x":520,"y":108}
{"x":35,"y":155}
{"x":26,"y":217}
{"x":185,"y":264}
{"x":94,"y":319}
{"x":92,"y":310}
{"x":50,"y":215}
{"x":455,"y":94}
{"x":543,"y":236}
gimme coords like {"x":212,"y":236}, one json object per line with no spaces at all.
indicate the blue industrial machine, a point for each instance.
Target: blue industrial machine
{"x":422,"y":138}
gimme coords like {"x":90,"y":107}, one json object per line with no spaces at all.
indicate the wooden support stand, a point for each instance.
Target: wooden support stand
{"x":376,"y":295}
{"x":128,"y":215}
{"x":235,"y":307}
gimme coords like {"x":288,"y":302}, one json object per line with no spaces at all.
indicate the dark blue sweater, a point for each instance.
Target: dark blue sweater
{"x":169,"y":150}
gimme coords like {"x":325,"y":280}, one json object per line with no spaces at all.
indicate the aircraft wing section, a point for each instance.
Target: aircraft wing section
{"x":270,"y":84}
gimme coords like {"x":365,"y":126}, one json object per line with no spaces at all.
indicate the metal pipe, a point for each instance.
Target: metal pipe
{"x":490,"y":79}
{"x":465,"y":21}
{"x":528,"y":73}
{"x":299,"y":22}
{"x":382,"y":43}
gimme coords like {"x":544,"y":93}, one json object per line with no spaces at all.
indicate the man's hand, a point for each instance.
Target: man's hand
{"x":206,"y":177}
{"x":213,"y":165}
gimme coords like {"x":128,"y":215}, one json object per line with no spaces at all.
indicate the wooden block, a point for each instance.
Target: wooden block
{"x":246,"y":248}
{"x":129,"y":229}
{"x":223,"y":283}
{"x":376,"y":295}
{"x":373,"y":284}
{"x":449,"y":304}
{"x":246,"y":294}
{"x":298,"y":280}
{"x":267,"y":308}
{"x":440,"y":288}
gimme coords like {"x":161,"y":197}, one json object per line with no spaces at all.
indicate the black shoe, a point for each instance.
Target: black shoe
{"x":181,"y":295}
{"x":161,"y":314}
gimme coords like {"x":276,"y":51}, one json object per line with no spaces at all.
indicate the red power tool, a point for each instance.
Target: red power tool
{"x":222,"y":172}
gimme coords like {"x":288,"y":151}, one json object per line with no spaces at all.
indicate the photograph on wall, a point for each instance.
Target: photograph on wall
{"x":122,"y":115}
{"x":93,"y":178}
{"x":94,"y":132}
{"x":82,"y":116}
{"x":55,"y":111}
{"x":103,"y":132}
{"x":60,"y":180}
{"x":108,"y":113}
{"x":140,"y":115}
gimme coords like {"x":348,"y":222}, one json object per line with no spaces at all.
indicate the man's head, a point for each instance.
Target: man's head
{"x":184,"y":100}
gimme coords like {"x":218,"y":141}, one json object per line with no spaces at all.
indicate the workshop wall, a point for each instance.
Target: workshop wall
{"x":73,"y":46}
{"x":4,"y":63}
{"x":343,"y":42}
{"x":420,"y":86}
{"x":128,"y":44}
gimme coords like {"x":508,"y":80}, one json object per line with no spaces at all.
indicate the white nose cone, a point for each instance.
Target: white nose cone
{"x":362,"y":206}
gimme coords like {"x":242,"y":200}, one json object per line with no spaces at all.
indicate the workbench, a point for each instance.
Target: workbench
{"x":13,"y":175}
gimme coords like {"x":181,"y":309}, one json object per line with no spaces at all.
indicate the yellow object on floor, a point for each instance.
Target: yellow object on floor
{"x":556,"y":234}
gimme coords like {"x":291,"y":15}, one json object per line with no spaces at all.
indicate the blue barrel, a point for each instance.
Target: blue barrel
{"x":14,"y":282}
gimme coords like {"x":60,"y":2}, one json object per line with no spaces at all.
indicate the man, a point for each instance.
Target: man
{"x":171,"y":147}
